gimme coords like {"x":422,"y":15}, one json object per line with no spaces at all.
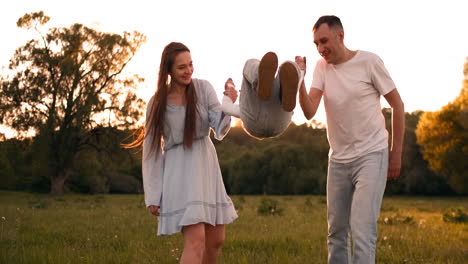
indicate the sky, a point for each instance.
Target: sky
{"x":424,"y":44}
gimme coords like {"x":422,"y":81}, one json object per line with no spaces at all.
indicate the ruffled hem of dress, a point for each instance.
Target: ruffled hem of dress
{"x":196,"y":212}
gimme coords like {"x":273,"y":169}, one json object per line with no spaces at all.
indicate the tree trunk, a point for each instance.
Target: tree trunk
{"x":57,"y":185}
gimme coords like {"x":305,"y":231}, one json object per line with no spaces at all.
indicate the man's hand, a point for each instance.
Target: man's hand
{"x":394,"y":165}
{"x":302,"y":63}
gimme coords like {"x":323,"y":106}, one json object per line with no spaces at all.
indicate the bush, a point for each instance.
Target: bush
{"x":269,"y":206}
{"x":123,"y":183}
{"x":39,"y":203}
{"x":398,"y":219}
{"x":455,"y":215}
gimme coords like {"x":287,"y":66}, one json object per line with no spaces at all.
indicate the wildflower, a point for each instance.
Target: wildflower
{"x":422,"y":222}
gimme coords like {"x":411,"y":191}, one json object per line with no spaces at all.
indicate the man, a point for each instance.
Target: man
{"x":351,"y":83}
{"x":267,"y":99}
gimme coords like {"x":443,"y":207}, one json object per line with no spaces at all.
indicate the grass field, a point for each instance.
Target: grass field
{"x":38,"y":228}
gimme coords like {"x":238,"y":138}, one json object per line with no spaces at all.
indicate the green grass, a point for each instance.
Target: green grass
{"x":38,"y":228}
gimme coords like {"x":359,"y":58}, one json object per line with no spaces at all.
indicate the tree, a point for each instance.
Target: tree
{"x":443,"y":136}
{"x":63,"y":85}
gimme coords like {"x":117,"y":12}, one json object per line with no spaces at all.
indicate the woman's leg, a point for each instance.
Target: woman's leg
{"x":194,"y":244}
{"x":214,"y":239}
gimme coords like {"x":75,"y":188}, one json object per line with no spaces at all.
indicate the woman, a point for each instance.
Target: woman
{"x":181,"y":175}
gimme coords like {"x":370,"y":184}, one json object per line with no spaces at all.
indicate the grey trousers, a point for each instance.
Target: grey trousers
{"x":261,"y":118}
{"x":354,"y":196}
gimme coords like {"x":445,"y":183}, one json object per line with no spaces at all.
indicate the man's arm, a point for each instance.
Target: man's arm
{"x":309,"y":102}
{"x":398,"y":132}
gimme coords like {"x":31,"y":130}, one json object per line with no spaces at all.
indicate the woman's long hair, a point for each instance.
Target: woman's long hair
{"x":155,"y":124}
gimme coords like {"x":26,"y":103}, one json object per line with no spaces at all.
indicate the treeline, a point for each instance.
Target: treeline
{"x":296,"y":163}
{"x":293,"y":163}
{"x":101,"y":166}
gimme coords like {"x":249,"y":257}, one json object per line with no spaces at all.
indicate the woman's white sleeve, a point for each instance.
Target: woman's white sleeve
{"x":220,"y":122}
{"x":152,"y":169}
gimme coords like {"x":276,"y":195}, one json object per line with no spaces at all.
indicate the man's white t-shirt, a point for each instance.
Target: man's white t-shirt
{"x":351,"y":93}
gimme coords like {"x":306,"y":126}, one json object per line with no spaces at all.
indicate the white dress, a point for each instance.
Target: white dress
{"x":187,"y":183}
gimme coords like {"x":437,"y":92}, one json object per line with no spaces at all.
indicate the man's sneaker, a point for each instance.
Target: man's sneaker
{"x":266,"y":75}
{"x":290,"y":78}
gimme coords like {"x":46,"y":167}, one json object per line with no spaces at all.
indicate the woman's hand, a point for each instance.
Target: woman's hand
{"x":230,"y":90}
{"x":154,"y":210}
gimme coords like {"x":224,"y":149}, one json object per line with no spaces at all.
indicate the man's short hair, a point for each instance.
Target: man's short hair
{"x":331,"y":21}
